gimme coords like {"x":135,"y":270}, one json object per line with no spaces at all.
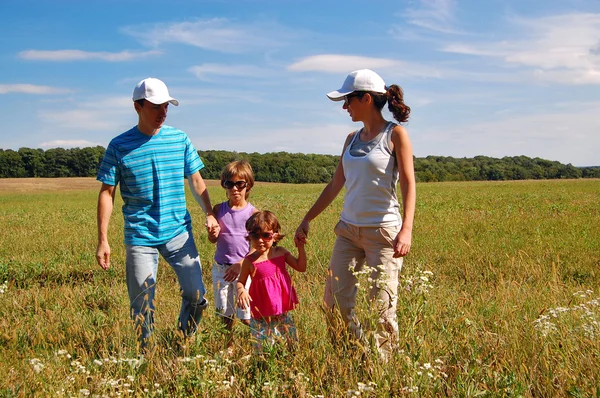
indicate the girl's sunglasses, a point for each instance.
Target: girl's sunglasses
{"x":230,"y":184}
{"x":264,"y":235}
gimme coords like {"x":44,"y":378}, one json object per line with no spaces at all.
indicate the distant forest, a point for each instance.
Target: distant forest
{"x":295,"y":167}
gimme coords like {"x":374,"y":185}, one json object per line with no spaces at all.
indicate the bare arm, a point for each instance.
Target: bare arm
{"x":330,"y":192}
{"x":299,"y":264}
{"x":213,"y":233}
{"x":406,"y":170}
{"x":198,"y":188}
{"x":106,"y":199}
{"x":243,"y":296}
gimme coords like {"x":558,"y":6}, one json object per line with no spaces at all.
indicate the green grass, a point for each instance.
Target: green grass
{"x":499,"y":298}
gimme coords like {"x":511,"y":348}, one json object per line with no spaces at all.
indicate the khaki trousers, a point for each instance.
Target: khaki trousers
{"x":353,"y":247}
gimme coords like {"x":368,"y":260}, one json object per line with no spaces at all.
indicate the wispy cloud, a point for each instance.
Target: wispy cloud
{"x":31,"y":89}
{"x":95,"y":115}
{"x":561,"y":49}
{"x":68,"y":144}
{"x":218,"y":34}
{"x":204,"y":71}
{"x":434,"y":15}
{"x":79,"y":55}
{"x":571,"y":125}
{"x":337,"y":63}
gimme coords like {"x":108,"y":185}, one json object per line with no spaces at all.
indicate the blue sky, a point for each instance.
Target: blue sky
{"x":483,"y":77}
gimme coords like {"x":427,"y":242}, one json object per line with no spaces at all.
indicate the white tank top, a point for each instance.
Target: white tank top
{"x":371,"y":179}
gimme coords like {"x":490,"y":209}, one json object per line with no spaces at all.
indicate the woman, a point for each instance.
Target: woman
{"x":371,"y":227}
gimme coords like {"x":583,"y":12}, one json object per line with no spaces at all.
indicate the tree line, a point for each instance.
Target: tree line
{"x":295,"y":168}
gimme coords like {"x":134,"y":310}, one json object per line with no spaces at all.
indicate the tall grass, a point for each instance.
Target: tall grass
{"x":499,"y":297}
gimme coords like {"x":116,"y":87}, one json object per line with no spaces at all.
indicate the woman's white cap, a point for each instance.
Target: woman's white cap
{"x":153,"y":90}
{"x":359,"y":80}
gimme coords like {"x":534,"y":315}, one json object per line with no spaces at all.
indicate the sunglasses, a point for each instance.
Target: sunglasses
{"x":264,"y":235}
{"x":348,"y":97}
{"x":230,"y":184}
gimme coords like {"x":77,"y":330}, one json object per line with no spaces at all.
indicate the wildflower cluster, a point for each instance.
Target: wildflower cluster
{"x":216,"y":368}
{"x":37,"y":364}
{"x":376,"y":276}
{"x":546,"y":324}
{"x":419,"y":283}
{"x":4,"y":287}
{"x":425,"y":374}
{"x":361,"y":388}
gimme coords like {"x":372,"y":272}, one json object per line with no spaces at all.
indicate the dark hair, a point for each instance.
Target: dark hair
{"x":241,"y":169}
{"x":395,"y":99}
{"x":264,"y":221}
{"x":140,"y":102}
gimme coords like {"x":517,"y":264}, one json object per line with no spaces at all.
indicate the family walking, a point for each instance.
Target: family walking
{"x":250,"y":274}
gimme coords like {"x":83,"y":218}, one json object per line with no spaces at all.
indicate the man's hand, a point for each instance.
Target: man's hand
{"x":103,"y":255}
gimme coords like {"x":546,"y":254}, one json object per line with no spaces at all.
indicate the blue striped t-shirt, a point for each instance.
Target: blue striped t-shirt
{"x":151,"y":172}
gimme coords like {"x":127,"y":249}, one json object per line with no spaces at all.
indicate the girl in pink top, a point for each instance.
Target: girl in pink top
{"x":271,"y":295}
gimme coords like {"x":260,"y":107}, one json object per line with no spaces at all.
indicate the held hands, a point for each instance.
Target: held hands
{"x":103,"y":255}
{"x":232,"y":273}
{"x":301,"y":236}
{"x":402,"y":243}
{"x":211,"y":222}
{"x":213,"y":232}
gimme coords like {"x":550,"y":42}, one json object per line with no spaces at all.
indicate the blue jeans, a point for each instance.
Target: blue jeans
{"x":142,"y":267}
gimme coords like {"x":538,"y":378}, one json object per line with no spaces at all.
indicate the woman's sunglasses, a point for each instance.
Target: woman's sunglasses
{"x":348,"y":97}
{"x":264,"y":235}
{"x":230,"y":184}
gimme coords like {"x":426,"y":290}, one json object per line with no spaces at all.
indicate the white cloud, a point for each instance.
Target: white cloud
{"x":204,"y":71}
{"x":561,"y":49}
{"x":79,"y":55}
{"x":94,"y":115}
{"x":338,"y":63}
{"x":31,"y":89}
{"x":68,"y":144}
{"x":323,"y":139}
{"x":218,"y":34}
{"x":567,"y":134}
{"x":433,"y":15}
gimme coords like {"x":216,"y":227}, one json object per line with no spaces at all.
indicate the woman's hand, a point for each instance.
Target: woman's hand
{"x":402,"y":243}
{"x":301,"y":236}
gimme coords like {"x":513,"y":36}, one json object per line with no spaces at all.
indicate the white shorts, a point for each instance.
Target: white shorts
{"x":226,"y":293}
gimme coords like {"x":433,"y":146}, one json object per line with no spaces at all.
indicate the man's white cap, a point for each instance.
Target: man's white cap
{"x":359,"y":80}
{"x":153,"y":90}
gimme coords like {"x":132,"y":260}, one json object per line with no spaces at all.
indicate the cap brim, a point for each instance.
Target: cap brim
{"x":338,"y":95}
{"x":162,"y":100}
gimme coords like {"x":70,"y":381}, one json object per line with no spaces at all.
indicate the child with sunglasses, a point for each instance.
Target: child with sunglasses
{"x":230,"y":236}
{"x":271,"y":295}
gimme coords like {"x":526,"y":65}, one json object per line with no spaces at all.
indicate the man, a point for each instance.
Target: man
{"x":150,"y":162}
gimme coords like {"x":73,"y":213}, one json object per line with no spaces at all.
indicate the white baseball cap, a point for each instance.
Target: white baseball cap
{"x":153,"y":90}
{"x":359,"y":80}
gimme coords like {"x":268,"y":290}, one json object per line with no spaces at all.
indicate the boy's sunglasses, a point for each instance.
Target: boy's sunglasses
{"x":264,"y":235}
{"x":230,"y":184}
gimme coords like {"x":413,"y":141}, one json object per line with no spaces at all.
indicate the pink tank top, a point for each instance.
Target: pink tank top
{"x":271,"y":289}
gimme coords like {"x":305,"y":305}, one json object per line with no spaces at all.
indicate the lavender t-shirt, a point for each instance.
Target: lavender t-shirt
{"x":232,"y":245}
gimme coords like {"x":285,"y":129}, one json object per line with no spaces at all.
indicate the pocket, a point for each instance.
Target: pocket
{"x":338,"y":227}
{"x":389,"y":233}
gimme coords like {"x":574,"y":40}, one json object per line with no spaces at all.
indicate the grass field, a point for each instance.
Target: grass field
{"x":499,"y":297}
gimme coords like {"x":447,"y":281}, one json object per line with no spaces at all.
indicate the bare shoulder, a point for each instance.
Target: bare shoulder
{"x":279,"y":251}
{"x":399,"y":132}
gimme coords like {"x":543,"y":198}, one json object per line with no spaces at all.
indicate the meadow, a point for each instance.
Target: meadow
{"x":499,"y":297}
